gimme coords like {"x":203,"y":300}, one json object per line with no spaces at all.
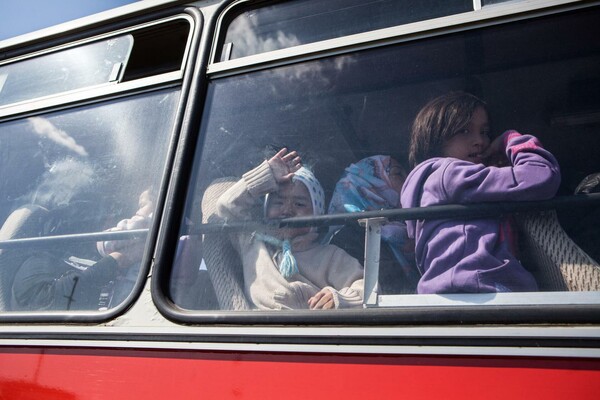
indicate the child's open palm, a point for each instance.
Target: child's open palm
{"x":284,"y":164}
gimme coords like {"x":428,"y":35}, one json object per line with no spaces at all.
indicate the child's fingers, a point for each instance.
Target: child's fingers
{"x":313,"y":301}
{"x":281,"y":153}
{"x":287,"y":156}
{"x":292,"y":161}
{"x":287,"y":177}
{"x":291,"y":158}
{"x":322,"y":301}
{"x":325,"y":303}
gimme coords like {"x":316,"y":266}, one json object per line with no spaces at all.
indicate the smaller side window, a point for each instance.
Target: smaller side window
{"x":142,"y":53}
{"x":75,"y":68}
{"x":291,"y":23}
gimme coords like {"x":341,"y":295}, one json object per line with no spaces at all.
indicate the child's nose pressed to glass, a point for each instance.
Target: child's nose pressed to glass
{"x":291,"y":200}
{"x":471,"y":142}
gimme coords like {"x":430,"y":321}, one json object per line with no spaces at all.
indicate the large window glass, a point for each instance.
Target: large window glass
{"x":286,"y":24}
{"x":538,"y":77}
{"x":78,"y":194}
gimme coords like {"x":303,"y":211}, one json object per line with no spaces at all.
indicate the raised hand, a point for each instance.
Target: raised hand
{"x":284,"y":164}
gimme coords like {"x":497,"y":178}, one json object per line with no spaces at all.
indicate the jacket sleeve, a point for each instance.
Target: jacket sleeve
{"x":533,"y":175}
{"x":238,"y":201}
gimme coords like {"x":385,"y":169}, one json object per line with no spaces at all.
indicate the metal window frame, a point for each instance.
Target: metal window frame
{"x":441,"y":314}
{"x":187,"y":80}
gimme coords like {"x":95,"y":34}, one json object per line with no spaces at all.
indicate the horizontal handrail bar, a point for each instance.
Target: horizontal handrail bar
{"x":76,"y":237}
{"x":432,"y":212}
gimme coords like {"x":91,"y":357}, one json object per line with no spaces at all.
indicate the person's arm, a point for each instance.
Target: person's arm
{"x":141,"y":220}
{"x":533,"y":175}
{"x":238,"y":201}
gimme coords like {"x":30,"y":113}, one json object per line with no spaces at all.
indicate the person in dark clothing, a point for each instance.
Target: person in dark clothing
{"x":51,"y":280}
{"x":47,"y":282}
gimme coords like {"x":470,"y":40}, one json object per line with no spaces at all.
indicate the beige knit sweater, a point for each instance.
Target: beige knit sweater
{"x":320,"y":266}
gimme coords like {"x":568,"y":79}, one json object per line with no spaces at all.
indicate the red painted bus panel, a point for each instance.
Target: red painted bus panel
{"x":153,"y":374}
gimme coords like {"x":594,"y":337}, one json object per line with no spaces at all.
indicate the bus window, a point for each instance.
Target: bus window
{"x":141,"y":53}
{"x":535,"y":77}
{"x":75,"y":68}
{"x":65,"y":175}
{"x":81,"y":181}
{"x":266,"y":28}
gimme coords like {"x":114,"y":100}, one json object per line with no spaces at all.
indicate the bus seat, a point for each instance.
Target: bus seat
{"x":26,"y":221}
{"x":190,"y":285}
{"x":222,"y":261}
{"x":557,"y":263}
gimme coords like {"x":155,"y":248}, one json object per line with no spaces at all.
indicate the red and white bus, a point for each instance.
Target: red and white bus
{"x":157,"y":105}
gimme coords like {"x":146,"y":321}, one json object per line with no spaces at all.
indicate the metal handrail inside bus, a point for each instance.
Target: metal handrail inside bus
{"x":432,"y":212}
{"x":76,"y":237}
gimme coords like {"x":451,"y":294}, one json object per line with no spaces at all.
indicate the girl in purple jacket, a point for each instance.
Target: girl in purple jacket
{"x":457,"y":164}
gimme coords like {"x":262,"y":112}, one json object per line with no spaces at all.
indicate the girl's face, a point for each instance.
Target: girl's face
{"x":292,"y":200}
{"x":472,"y":141}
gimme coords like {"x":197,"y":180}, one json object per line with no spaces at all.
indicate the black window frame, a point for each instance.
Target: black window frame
{"x":434,"y":315}
{"x":186,"y":105}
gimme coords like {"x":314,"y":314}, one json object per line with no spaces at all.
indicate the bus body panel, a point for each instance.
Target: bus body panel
{"x":70,"y":373}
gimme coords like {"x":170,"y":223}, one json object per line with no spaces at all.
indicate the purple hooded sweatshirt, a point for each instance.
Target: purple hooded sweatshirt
{"x":474,"y":255}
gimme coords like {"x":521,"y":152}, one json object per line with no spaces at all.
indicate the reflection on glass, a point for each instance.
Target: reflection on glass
{"x":292,"y":23}
{"x":336,"y":111}
{"x":79,"y":172}
{"x":62,"y":71}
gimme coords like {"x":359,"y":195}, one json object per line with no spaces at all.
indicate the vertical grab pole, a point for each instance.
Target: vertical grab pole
{"x":372,"y":247}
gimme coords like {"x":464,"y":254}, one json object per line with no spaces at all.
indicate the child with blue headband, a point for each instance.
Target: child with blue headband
{"x":288,"y":268}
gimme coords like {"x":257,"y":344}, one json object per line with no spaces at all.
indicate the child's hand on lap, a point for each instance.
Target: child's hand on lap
{"x":322,"y":300}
